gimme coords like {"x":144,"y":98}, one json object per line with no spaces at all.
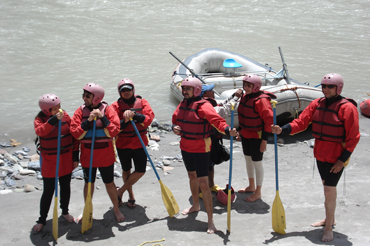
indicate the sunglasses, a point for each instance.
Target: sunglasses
{"x":126,"y":90}
{"x":88,"y":96}
{"x":186,"y":88}
{"x":329,"y":86}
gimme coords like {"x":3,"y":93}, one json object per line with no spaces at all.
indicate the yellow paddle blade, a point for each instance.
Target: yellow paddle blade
{"x":169,"y":200}
{"x":55,"y":219}
{"x":278,"y":215}
{"x":228,"y":210}
{"x":88,"y":211}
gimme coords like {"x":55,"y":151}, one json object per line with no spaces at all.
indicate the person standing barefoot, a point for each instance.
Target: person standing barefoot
{"x":335,"y":127}
{"x":193,"y":120}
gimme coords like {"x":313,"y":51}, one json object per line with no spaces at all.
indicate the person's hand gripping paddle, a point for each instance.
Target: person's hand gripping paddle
{"x":230,"y":171}
{"x":55,"y":214}
{"x":278,"y":213}
{"x":168,"y":199}
{"x":88,"y":209}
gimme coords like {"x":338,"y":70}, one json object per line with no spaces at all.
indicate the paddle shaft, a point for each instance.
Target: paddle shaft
{"x":275,"y":148}
{"x":284,"y":66}
{"x":55,"y":214}
{"x":92,"y":149}
{"x":58,"y":157}
{"x":146,"y":151}
{"x":230,"y":172}
{"x":231,"y":146}
{"x":191,"y":71}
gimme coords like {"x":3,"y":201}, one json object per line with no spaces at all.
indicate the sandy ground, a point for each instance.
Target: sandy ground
{"x":300,"y":191}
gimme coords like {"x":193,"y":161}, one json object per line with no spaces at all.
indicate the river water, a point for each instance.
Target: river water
{"x":59,"y":46}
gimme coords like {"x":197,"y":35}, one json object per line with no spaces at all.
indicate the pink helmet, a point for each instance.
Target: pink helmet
{"x":222,"y":195}
{"x":333,"y":79}
{"x":96,"y":90}
{"x":195,"y":83}
{"x":128,"y":84}
{"x":255,"y":80}
{"x":48,"y":101}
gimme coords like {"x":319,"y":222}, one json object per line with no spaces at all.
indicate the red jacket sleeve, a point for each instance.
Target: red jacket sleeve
{"x":349,"y":114}
{"x":305,"y":118}
{"x":206,"y":111}
{"x":148,"y":112}
{"x":76,"y":121}
{"x":264,"y":109}
{"x":42,"y":128}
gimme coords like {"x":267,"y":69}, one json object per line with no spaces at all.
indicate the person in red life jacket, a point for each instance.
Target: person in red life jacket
{"x":107,"y":127}
{"x":335,"y":127}
{"x":128,"y":144}
{"x":46,"y":128}
{"x":193,"y":120}
{"x":255,"y":118}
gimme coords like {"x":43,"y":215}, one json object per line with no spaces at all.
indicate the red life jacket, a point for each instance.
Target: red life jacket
{"x":192,"y":126}
{"x":100,"y":135}
{"x":49,"y":143}
{"x":248,"y":117}
{"x":325,"y":122}
{"x":137,"y":106}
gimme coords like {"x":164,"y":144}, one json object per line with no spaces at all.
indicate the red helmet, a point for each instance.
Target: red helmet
{"x":222,"y":195}
{"x":333,"y":79}
{"x":195,"y":83}
{"x":96,"y":90}
{"x":125,"y":83}
{"x":48,"y":101}
{"x":255,"y":80}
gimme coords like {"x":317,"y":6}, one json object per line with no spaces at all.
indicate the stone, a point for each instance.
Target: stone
{"x":27,"y":172}
{"x":174,"y":143}
{"x":24,"y":164}
{"x":29,"y":188}
{"x":11,"y":158}
{"x":3,"y":151}
{"x":2,"y":192}
{"x":166,"y":162}
{"x":34,"y":165}
{"x":35,"y":157}
{"x":25,"y":149}
{"x":117,"y":174}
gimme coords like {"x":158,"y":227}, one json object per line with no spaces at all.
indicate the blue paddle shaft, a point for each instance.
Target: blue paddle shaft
{"x":92,"y":150}
{"x":231,"y":147}
{"x":58,"y":154}
{"x":146,"y":151}
{"x":276,"y":153}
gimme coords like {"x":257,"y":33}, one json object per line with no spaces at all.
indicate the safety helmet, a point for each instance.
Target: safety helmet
{"x":195,"y":83}
{"x":333,"y":79}
{"x":48,"y":101}
{"x":96,"y":90}
{"x":222,"y":195}
{"x":125,"y":83}
{"x":255,"y":80}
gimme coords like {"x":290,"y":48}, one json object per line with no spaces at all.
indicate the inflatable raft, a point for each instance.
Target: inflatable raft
{"x":226,"y":70}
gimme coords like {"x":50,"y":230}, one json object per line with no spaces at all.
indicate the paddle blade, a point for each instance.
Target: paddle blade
{"x":88,"y":210}
{"x":169,"y":200}
{"x":278,"y":215}
{"x":229,"y":210}
{"x":55,"y":219}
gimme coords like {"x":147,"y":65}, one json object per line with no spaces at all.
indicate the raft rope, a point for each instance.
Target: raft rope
{"x":155,"y":241}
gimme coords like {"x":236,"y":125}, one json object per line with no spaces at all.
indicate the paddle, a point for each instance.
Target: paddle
{"x":88,"y":209}
{"x":284,"y":67}
{"x":230,"y":171}
{"x":167,"y":197}
{"x":55,"y":214}
{"x":278,"y":213}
